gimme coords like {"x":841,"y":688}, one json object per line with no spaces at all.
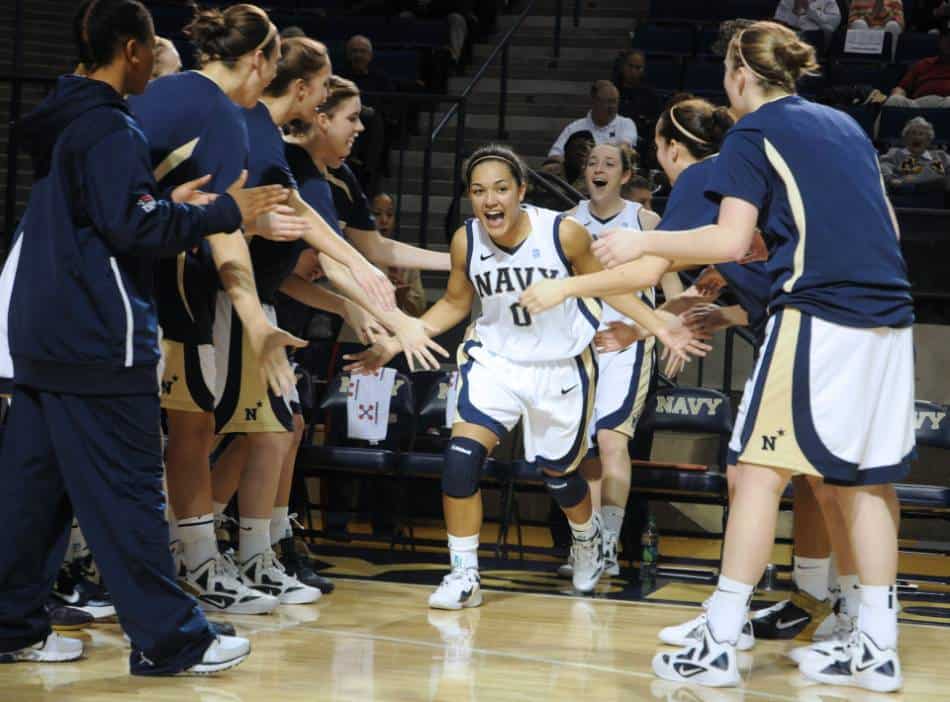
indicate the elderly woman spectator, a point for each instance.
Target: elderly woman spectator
{"x":916,"y":164}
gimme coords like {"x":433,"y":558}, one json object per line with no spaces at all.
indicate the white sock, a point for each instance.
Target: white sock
{"x":851,"y":592}
{"x":280,"y":527}
{"x":218,"y":508}
{"x":197,"y":540}
{"x":255,"y":538}
{"x":811,"y":576}
{"x":612,"y":517}
{"x":464,"y":551}
{"x":77,"y":543}
{"x":585,"y":531}
{"x":728,"y":609}
{"x":878,"y":616}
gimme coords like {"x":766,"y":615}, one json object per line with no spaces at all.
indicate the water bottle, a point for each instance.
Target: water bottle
{"x":650,"y":542}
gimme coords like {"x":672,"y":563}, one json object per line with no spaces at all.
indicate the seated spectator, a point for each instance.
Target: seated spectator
{"x":638,"y":99}
{"x":370,"y":156}
{"x":638,"y":189}
{"x":410,"y":295}
{"x":458,"y":13}
{"x":167,"y":58}
{"x":927,"y":83}
{"x":809,"y":15}
{"x":603,"y":122}
{"x":915,"y":163}
{"x":570,"y":168}
{"x":877,"y":14}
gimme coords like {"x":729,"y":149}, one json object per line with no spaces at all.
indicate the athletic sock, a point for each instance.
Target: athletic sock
{"x":280,"y":527}
{"x":197,"y":540}
{"x":255,"y":538}
{"x":851,"y":592}
{"x":585,"y":531}
{"x":878,"y":616}
{"x":464,"y":551}
{"x":811,"y":576}
{"x":728,"y":609}
{"x":612,"y":518}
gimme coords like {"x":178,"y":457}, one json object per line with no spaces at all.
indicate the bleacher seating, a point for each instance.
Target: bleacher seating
{"x":914,"y":46}
{"x":674,"y":39}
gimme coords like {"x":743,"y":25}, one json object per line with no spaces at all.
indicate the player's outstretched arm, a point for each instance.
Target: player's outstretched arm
{"x":318,"y":297}
{"x":387,"y":252}
{"x":453,"y":307}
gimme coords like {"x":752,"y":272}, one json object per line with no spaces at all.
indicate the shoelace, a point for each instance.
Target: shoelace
{"x":228,"y":573}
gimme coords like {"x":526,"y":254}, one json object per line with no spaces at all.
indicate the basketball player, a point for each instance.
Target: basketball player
{"x":809,"y":177}
{"x":83,"y":431}
{"x":625,"y":362}
{"x":516,"y":366}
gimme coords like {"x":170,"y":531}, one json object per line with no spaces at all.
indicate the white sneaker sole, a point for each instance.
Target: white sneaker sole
{"x":865,"y":682}
{"x":586,"y":584}
{"x":706,"y":679}
{"x":474,"y":601}
{"x":262,"y":606}
{"x":212,"y":668}
{"x":39,"y":657}
{"x":300,"y":597}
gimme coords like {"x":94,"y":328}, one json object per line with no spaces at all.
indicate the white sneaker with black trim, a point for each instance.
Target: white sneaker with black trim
{"x":217,"y":588}
{"x":588,"y":559}
{"x":863,"y":664}
{"x":459,"y":589}
{"x":223,"y":653}
{"x":53,"y":649}
{"x":687,"y":633}
{"x":705,"y":662}
{"x":265,"y":573}
{"x":611,"y":564}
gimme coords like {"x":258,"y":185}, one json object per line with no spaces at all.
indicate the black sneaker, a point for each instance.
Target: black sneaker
{"x":299,"y":566}
{"x":63,"y":618}
{"x":790,"y":618}
{"x":77,"y":586}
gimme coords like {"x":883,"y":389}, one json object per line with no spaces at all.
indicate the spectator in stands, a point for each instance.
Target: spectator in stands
{"x":570,"y":167}
{"x":927,"y":83}
{"x":167,"y":58}
{"x":916,"y":163}
{"x":371,"y":153}
{"x":603,"y":122}
{"x":809,"y":15}
{"x":458,"y":13}
{"x":638,"y":189}
{"x":926,"y":15}
{"x":410,"y":295}
{"x":638,"y":99}
{"x":877,"y":14}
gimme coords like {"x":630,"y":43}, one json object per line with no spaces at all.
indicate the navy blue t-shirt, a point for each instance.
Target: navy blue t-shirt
{"x":687,"y":208}
{"x":314,"y":188}
{"x":267,"y":165}
{"x":814,"y":177}
{"x":350,"y":200}
{"x":193,"y":129}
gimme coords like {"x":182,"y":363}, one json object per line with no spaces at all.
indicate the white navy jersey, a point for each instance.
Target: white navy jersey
{"x":500,"y":277}
{"x":627,"y":218}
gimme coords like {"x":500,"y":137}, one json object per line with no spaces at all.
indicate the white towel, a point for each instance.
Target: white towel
{"x":367,"y":405}
{"x":451,"y":399}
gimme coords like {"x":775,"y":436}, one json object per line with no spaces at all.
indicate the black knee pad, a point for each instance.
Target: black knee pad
{"x":464,"y":459}
{"x":567,"y":490}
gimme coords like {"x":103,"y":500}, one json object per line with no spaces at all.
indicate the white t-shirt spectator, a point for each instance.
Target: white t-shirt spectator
{"x":621,"y":130}
{"x":818,"y":14}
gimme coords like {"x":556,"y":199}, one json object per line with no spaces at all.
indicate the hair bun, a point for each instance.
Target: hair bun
{"x":207,"y":25}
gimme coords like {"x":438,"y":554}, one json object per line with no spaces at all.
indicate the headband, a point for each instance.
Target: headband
{"x":746,"y":63}
{"x":492,"y":157}
{"x":685,"y":131}
{"x":271,"y":31}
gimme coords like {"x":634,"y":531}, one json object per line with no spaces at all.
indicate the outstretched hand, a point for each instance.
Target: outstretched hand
{"x":543,"y":295}
{"x":270,"y":347}
{"x":679,"y":342}
{"x":254,"y":202}
{"x":618,"y":246}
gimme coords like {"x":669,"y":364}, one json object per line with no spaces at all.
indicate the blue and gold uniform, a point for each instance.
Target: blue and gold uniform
{"x":839,"y":302}
{"x":193,"y":129}
{"x":246,"y":404}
